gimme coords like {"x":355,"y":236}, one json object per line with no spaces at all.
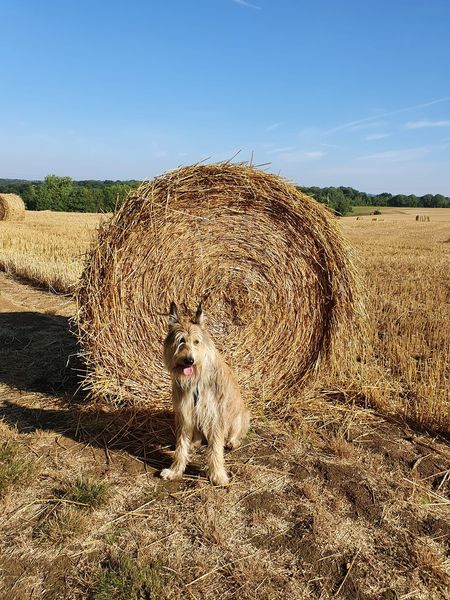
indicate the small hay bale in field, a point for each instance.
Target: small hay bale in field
{"x":12,"y":208}
{"x":268,"y":262}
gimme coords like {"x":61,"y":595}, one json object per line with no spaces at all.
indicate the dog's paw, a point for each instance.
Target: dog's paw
{"x":233,"y":444}
{"x":170,"y":475}
{"x":219,"y":478}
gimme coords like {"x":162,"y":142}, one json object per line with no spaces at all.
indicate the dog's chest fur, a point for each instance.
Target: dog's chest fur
{"x":200,"y":402}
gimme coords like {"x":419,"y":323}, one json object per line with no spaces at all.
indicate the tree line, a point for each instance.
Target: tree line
{"x":341,"y":199}
{"x":65,"y":194}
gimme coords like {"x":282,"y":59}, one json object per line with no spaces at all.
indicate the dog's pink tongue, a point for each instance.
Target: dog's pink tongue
{"x":188,"y":370}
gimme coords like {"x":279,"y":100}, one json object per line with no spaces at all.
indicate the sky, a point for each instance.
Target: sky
{"x":328,"y":92}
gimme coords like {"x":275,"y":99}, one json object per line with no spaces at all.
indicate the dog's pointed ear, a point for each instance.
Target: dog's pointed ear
{"x":173,"y":314}
{"x":199,"y":318}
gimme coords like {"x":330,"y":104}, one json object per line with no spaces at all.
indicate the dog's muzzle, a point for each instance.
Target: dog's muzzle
{"x":188,"y":369}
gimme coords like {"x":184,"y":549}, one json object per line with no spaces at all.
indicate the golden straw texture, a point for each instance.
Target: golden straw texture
{"x":12,"y":208}
{"x":268,"y":262}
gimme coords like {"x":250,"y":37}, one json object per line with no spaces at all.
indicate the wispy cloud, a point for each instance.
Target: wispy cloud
{"x":301,"y":156}
{"x":272,"y":127}
{"x":422,"y":124}
{"x":247,"y":4}
{"x":279,"y":150}
{"x":160,"y":153}
{"x":376,"y":136}
{"x":314,"y":154}
{"x":351,"y":124}
{"x":325,"y":145}
{"x":401,"y":155}
{"x":369,"y":125}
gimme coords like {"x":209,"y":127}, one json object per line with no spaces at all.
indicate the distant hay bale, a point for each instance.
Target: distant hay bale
{"x":12,"y":208}
{"x":268,"y":262}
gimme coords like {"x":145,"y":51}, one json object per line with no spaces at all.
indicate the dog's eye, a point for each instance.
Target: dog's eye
{"x":181,"y":342}
{"x":196,"y":342}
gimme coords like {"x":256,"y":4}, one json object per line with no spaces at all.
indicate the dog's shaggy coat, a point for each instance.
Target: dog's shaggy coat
{"x":205,"y":394}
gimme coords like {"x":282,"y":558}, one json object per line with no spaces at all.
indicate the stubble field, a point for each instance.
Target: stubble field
{"x":351,"y":501}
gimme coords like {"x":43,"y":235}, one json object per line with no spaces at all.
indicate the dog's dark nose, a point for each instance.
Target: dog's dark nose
{"x":189,"y":361}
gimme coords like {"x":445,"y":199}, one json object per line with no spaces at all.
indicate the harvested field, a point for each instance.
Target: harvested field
{"x":398,"y":214}
{"x":47,"y":248}
{"x":351,"y":503}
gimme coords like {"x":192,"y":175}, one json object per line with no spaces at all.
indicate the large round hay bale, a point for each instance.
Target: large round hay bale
{"x":268,"y":262}
{"x":12,"y":208}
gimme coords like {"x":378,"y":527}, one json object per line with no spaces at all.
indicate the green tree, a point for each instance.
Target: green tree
{"x":398,"y":200}
{"x":341,"y":205}
{"x":382,"y":199}
{"x":54,"y":193}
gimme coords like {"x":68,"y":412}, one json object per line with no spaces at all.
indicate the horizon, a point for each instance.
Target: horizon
{"x":335,"y":95}
{"x":141,"y":181}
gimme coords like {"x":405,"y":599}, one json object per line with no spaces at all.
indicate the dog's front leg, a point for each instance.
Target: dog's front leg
{"x":216,"y":466}
{"x":183,"y":445}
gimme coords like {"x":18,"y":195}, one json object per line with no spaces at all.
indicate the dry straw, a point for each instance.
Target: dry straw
{"x":268,"y":262}
{"x":12,"y":208}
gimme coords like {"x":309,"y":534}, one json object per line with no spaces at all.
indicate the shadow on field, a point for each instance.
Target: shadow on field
{"x":38,"y":353}
{"x":143,"y":433}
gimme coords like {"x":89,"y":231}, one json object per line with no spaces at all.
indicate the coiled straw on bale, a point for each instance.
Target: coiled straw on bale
{"x":12,"y":208}
{"x":268,"y":262}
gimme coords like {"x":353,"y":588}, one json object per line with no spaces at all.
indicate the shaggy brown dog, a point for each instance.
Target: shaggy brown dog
{"x":205,"y":394}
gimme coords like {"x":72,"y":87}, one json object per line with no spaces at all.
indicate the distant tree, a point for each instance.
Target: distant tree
{"x":341,"y":205}
{"x":29,"y":197}
{"x":427,"y":200}
{"x":54,"y":193}
{"x":398,"y":200}
{"x":412,"y":200}
{"x":382,"y":199}
{"x":440,"y":201}
{"x":81,"y":199}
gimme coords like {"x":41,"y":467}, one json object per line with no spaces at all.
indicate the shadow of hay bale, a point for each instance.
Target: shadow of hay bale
{"x":38,"y":353}
{"x":145,"y":434}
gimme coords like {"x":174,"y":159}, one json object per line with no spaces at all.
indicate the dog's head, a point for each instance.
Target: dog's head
{"x":187,"y":347}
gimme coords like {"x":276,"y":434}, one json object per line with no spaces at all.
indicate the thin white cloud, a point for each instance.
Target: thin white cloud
{"x":338,"y":146}
{"x":272,"y":127}
{"x":314,"y":154}
{"x":351,"y":124}
{"x":376,"y":136}
{"x":160,"y":153}
{"x":402,"y":155}
{"x":296,"y":157}
{"x":370,"y":125}
{"x":247,"y":4}
{"x":279,"y":150}
{"x":422,"y":124}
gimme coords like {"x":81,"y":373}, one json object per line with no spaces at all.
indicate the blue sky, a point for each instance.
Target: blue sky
{"x":330,"y":92}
